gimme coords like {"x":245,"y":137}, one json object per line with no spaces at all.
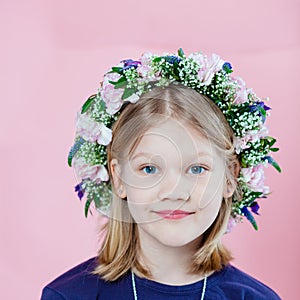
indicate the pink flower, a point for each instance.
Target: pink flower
{"x":111,"y":96}
{"x":240,"y":143}
{"x":144,"y":69}
{"x":209,"y":66}
{"x":252,"y":136}
{"x":242,"y":92}
{"x":146,"y":58}
{"x":96,"y":173}
{"x":92,"y":131}
{"x":110,"y":77}
{"x":254,"y":177}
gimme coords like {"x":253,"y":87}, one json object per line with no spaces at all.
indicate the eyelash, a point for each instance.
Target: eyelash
{"x":202,"y":167}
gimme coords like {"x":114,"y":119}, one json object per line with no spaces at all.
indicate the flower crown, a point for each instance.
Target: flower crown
{"x":209,"y":75}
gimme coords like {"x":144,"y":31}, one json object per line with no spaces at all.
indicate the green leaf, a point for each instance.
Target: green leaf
{"x":176,"y":71}
{"x":243,"y":109}
{"x":87,"y":206}
{"x":128,"y":92}
{"x":274,"y":149}
{"x":70,"y":158}
{"x":121,"y":83}
{"x":276,"y":166}
{"x":102,"y":106}
{"x":180,"y":52}
{"x":254,"y":224}
{"x":271,"y":141}
{"x":157,"y":59}
{"x":118,"y":70}
{"x":87,"y":104}
{"x":262,"y":111}
{"x":121,"y":79}
{"x":96,"y":201}
{"x":256,"y":194}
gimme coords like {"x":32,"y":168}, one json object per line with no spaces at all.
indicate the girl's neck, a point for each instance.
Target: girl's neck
{"x":169,"y":265}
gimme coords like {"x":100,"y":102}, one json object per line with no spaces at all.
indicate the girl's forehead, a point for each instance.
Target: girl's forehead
{"x":173,"y":135}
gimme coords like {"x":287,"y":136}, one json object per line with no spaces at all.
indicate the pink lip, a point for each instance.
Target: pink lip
{"x":173,"y":214}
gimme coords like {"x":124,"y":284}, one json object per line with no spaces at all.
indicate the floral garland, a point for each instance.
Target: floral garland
{"x":209,"y":75}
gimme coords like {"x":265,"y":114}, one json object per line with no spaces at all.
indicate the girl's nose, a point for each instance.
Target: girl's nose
{"x":174,"y":187}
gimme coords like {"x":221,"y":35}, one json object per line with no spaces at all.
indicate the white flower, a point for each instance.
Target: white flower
{"x":133,"y":98}
{"x":240,"y":143}
{"x":209,"y":66}
{"x":254,"y":177}
{"x":111,"y":96}
{"x":105,"y":135}
{"x":92,"y":131}
{"x":242,"y":92}
{"x":144,"y":69}
{"x":101,"y":174}
{"x":96,"y":173}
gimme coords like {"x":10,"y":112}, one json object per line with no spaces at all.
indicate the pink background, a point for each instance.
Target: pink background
{"x":53,"y":56}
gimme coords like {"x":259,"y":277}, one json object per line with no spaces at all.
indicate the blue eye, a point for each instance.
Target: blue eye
{"x":197,"y":169}
{"x":149,"y":169}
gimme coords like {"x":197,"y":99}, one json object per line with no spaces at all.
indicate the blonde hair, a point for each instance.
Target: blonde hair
{"x":119,"y":252}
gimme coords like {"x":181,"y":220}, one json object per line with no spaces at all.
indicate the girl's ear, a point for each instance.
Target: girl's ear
{"x":231,"y":176}
{"x":229,"y":188}
{"x":115,"y":168}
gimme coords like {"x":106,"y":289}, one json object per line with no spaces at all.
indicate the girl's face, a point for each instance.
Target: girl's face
{"x":174,"y":182}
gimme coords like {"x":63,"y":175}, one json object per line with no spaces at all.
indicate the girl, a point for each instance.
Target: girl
{"x":171,"y":150}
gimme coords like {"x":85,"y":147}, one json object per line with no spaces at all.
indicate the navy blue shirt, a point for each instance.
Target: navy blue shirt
{"x":229,"y":283}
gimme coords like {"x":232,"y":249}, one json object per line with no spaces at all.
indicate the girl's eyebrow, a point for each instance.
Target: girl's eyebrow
{"x":142,"y":154}
{"x":147,"y":154}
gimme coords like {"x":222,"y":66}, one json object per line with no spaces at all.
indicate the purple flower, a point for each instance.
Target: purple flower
{"x":249,"y":217}
{"x":255,"y":207}
{"x":227,"y":67}
{"x":172,"y":59}
{"x":262,"y":104}
{"x":259,"y":105}
{"x":129,"y":63}
{"x":74,"y":150}
{"x":261,"y":108}
{"x":79,"y":190}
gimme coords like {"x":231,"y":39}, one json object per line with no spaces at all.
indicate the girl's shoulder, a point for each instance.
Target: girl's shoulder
{"x":233,"y":283}
{"x":77,"y":281}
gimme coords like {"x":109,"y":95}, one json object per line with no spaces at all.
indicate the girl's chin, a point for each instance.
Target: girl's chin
{"x":178,"y":239}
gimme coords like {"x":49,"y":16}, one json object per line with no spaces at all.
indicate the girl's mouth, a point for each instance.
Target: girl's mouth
{"x":173,"y":214}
